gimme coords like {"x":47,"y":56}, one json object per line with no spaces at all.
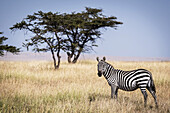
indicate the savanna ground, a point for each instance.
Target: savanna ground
{"x":36,"y":87}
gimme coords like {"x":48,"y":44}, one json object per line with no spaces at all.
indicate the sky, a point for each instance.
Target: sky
{"x":145,"y":31}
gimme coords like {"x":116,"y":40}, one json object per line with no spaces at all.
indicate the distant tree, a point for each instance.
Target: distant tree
{"x":46,"y":30}
{"x":6,"y":47}
{"x":83,"y":29}
{"x":73,"y":33}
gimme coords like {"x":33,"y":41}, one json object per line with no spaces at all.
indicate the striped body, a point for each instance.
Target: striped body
{"x":127,"y":80}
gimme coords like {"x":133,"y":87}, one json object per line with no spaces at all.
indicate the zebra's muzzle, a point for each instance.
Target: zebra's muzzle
{"x":99,"y":74}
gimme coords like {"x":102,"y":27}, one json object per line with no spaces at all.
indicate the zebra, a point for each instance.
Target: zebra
{"x":127,"y":80}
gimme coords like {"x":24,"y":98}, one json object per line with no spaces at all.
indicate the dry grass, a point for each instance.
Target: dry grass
{"x":35,"y":87}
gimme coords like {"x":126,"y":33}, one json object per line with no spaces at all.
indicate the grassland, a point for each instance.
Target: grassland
{"x":36,"y":87}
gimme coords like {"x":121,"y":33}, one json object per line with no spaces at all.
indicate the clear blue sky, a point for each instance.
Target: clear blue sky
{"x":145,"y":32}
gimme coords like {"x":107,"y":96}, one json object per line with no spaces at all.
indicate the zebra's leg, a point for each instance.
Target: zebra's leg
{"x":114,"y":90}
{"x":153,"y":95}
{"x":145,"y":95}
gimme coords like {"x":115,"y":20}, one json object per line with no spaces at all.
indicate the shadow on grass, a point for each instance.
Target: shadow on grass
{"x":97,"y":97}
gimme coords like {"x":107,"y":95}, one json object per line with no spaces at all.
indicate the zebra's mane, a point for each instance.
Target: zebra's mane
{"x":112,"y":66}
{"x":109,"y":64}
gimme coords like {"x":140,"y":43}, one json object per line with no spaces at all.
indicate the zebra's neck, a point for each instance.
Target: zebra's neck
{"x":109,"y":70}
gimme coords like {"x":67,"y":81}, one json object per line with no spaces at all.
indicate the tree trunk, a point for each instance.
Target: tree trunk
{"x":77,"y":56}
{"x":69,"y":57}
{"x":52,"y":52}
{"x":59,"y":57}
{"x":58,"y":50}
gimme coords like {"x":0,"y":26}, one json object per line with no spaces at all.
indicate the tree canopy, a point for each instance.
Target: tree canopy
{"x":7,"y":47}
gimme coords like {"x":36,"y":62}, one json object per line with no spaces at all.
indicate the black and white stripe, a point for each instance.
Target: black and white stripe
{"x":127,"y":80}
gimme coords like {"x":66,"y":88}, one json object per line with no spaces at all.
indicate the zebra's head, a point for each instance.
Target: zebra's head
{"x":101,"y":66}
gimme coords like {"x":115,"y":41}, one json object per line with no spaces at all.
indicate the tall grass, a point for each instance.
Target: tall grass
{"x":36,"y":87}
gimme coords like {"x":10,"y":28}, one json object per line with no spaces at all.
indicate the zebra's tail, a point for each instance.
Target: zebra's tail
{"x":152,"y":85}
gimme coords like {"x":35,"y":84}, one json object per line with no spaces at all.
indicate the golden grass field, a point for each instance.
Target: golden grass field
{"x":35,"y":87}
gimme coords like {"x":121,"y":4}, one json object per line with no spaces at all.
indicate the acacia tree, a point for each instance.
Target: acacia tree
{"x":73,"y":33}
{"x":7,"y":47}
{"x":45,"y":30}
{"x":83,"y":29}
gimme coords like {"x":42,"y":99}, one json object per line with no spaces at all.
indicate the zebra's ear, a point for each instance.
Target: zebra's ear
{"x":104,"y":58}
{"x":97,"y":59}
